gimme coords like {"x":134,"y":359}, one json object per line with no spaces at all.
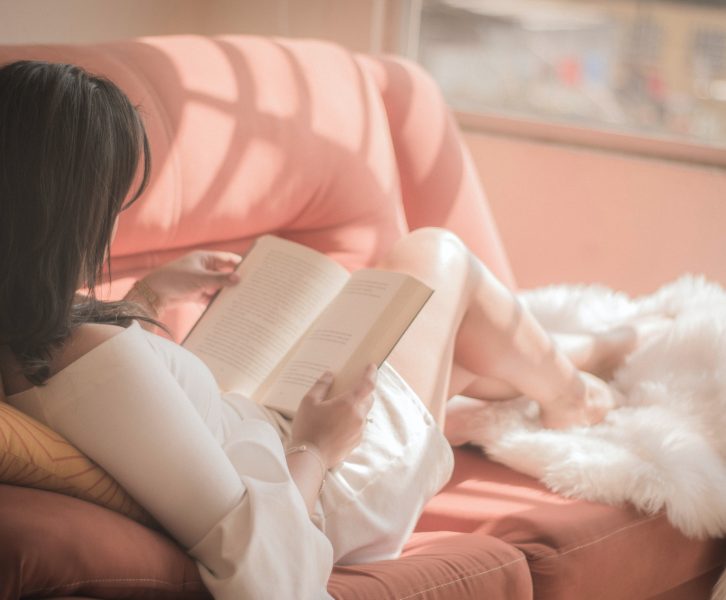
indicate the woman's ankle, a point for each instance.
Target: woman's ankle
{"x":587,"y":403}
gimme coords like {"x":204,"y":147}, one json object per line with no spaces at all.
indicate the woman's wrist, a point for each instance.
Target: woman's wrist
{"x":314,"y":451}
{"x":142,"y":293}
{"x":308,"y":471}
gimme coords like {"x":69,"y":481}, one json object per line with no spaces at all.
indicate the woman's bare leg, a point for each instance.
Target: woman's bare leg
{"x":597,"y":353}
{"x":587,"y":352}
{"x":474,"y":331}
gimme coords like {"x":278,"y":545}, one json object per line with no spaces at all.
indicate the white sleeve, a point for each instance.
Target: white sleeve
{"x":245,"y":523}
{"x":283,"y":555}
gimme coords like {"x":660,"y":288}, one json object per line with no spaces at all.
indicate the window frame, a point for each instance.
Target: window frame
{"x":403,"y":20}
{"x":593,"y":138}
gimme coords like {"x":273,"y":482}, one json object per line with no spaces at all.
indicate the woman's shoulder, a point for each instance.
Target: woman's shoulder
{"x":82,"y":340}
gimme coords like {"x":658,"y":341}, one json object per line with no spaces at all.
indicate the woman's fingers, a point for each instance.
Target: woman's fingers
{"x":335,"y":425}
{"x":211,"y":280}
{"x":222,"y":279}
{"x":359,"y":399}
{"x":320,"y":387}
{"x":217,"y":267}
{"x":218,"y":260}
{"x":365,"y":386}
{"x":361,"y":390}
{"x":194,"y":277}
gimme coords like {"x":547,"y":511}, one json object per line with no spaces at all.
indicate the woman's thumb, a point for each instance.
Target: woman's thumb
{"x":321,"y":386}
{"x":228,"y":278}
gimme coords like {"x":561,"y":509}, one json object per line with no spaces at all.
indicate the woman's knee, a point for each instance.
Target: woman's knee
{"x":436,"y":256}
{"x":432,"y":244}
{"x":444,"y":246}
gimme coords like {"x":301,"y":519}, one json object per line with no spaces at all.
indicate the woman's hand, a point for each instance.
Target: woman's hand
{"x":334,"y":426}
{"x":193,"y":277}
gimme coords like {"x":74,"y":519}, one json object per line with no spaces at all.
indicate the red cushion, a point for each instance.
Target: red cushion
{"x":440,"y":565}
{"x":55,"y":545}
{"x":52,"y":545}
{"x":575,"y":549}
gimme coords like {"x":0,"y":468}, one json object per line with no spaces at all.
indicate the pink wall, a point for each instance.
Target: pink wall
{"x":576,"y":215}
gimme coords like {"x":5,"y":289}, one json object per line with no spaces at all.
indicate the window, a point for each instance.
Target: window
{"x":645,"y":67}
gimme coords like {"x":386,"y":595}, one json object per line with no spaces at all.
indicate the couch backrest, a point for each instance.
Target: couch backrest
{"x":299,"y":137}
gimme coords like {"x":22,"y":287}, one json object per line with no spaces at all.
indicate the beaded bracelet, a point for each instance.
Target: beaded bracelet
{"x":309,"y":448}
{"x":148,"y":294}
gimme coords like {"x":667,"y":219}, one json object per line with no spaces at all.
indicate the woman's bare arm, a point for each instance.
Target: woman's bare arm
{"x":308,"y":476}
{"x":325,"y":430}
{"x":195,"y":277}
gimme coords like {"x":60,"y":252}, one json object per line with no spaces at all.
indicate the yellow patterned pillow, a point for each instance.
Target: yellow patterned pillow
{"x":32,"y":455}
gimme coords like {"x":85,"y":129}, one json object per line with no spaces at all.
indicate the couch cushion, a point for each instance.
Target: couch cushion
{"x":54,"y":545}
{"x":575,"y":549}
{"x":250,"y":135}
{"x":701,"y":587}
{"x":439,"y":565}
{"x":255,"y":135}
{"x":51,"y":545}
{"x":33,"y":455}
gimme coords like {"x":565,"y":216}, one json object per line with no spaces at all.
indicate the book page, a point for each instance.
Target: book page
{"x":355,"y":314}
{"x":252,"y":325}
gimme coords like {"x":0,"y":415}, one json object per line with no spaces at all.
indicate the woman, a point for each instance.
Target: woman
{"x":261,"y":521}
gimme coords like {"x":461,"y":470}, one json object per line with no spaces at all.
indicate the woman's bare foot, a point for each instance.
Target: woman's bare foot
{"x":586,"y":403}
{"x":610,"y":347}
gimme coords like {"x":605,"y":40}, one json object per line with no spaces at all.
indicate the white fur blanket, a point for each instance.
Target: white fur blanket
{"x":664,"y":448}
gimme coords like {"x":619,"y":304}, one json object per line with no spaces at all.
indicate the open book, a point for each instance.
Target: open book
{"x":295,"y":314}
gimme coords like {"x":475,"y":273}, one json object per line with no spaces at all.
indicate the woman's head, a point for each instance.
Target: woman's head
{"x":71,"y":145}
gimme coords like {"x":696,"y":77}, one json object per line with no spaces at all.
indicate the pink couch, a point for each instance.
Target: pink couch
{"x":343,"y":153}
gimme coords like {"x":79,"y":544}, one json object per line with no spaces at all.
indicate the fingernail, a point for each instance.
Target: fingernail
{"x":327,"y":376}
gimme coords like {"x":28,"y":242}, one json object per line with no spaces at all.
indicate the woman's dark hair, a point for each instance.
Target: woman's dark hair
{"x":71,"y":145}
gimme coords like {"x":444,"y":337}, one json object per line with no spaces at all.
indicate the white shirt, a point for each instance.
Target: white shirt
{"x":211,"y":468}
